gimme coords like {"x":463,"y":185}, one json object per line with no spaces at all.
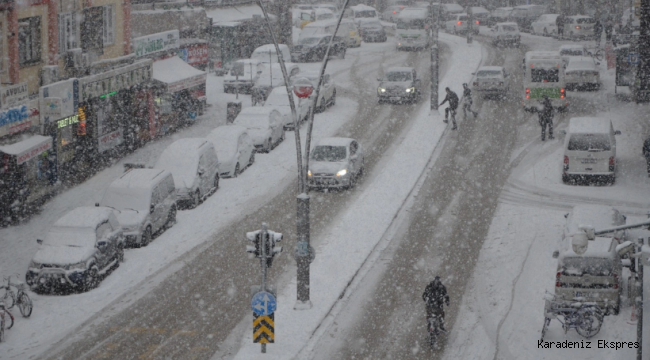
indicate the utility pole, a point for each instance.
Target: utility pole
{"x":639,"y":301}
{"x":470,"y":24}
{"x":643,"y":74}
{"x":285,"y":21}
{"x":435,"y":28}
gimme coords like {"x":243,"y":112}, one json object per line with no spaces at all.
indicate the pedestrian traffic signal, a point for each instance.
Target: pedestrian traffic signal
{"x":269,"y":239}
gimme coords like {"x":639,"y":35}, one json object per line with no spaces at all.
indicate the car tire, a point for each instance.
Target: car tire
{"x":196,"y":199}
{"x":171,"y":218}
{"x":119,"y":255}
{"x":251,"y":160}
{"x":146,"y":237}
{"x":91,"y":279}
{"x":236,"y":172}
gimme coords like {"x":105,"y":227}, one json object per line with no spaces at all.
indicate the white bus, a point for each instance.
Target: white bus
{"x":544,"y":75}
{"x":413,"y":29}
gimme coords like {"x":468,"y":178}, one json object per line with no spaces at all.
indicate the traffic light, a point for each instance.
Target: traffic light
{"x":81,"y":128}
{"x":270,"y":239}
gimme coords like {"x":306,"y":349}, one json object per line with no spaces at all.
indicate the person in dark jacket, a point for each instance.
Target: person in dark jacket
{"x":545,"y":115}
{"x":559,"y":22}
{"x":598,"y":32}
{"x":609,"y":28}
{"x":646,"y":153}
{"x":453,"y":105}
{"x":467,"y":101}
{"x":435,"y":294}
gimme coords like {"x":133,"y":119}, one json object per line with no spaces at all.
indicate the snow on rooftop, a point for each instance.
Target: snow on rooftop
{"x":589,"y":125}
{"x":234,"y":14}
{"x":174,"y":69}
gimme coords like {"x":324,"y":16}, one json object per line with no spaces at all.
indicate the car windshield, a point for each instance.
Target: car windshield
{"x":578,"y":266}
{"x":509,"y":28}
{"x":252,"y":122}
{"x":404,"y":24}
{"x":488,"y":73}
{"x":571,"y":52}
{"x":544,"y":75}
{"x":309,"y":41}
{"x":365,"y":14}
{"x":398,"y":76}
{"x":586,"y":21}
{"x":589,"y":142}
{"x":328,"y":153}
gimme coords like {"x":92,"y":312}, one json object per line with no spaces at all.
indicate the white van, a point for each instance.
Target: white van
{"x":545,"y":25}
{"x":361,"y":11}
{"x":412,"y":29}
{"x":347,"y":30}
{"x":590,"y":150}
{"x":268,"y":54}
{"x":145,"y":200}
{"x":525,"y":15}
{"x":544,"y":76}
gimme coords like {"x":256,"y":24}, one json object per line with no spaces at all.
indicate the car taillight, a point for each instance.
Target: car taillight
{"x":578,"y":27}
{"x":527,"y":93}
{"x":562,"y":93}
{"x":557,"y":279}
{"x":476,"y":22}
{"x":460,"y":22}
{"x":394,"y":12}
{"x":566,"y":163}
{"x":612,"y":163}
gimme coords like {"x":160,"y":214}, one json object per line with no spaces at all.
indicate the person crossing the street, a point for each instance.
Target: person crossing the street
{"x":453,"y":105}
{"x":467,"y":101}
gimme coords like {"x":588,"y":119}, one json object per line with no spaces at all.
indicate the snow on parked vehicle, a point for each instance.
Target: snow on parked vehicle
{"x":234,"y":149}
{"x":582,"y":74}
{"x":335,"y":163}
{"x":265,"y":126}
{"x":279,"y":100}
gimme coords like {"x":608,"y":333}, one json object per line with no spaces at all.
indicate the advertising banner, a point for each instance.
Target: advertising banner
{"x":149,"y":44}
{"x":14,"y":95}
{"x":59,"y":100}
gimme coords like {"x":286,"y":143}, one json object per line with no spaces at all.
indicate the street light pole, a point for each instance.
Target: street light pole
{"x":435,"y":28}
{"x":639,"y":301}
{"x":644,"y":53}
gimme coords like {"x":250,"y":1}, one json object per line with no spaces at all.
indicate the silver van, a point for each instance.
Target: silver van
{"x":145,"y":200}
{"x":525,"y":15}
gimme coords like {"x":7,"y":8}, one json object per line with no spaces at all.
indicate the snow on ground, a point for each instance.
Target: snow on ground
{"x":355,"y":233}
{"x":501,"y":315}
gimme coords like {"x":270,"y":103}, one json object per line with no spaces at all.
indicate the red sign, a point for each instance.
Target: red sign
{"x":33,"y":152}
{"x":110,"y":140}
{"x":20,"y":127}
{"x":303,"y":91}
{"x":197,"y":54}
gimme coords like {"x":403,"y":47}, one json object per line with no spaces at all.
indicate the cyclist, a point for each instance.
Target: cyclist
{"x":435,"y":294}
{"x":467,"y":101}
{"x":453,"y":105}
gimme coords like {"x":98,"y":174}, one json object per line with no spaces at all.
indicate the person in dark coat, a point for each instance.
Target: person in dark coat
{"x":453,"y":105}
{"x":646,"y":153}
{"x":545,"y":115}
{"x":609,"y":28}
{"x":467,"y":101}
{"x":434,"y":296}
{"x":598,"y":32}
{"x":559,"y":22}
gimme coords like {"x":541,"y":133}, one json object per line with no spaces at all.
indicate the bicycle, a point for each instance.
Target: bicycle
{"x":19,"y":297}
{"x":597,"y":53}
{"x":3,"y":320}
{"x":585,"y":317}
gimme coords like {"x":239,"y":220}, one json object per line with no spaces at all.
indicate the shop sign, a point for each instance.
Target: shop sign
{"x":164,"y":41}
{"x":14,"y":95}
{"x":187,"y":83}
{"x":25,"y":3}
{"x":110,"y":140}
{"x":59,"y":100}
{"x":67,"y":121}
{"x":11,"y":116}
{"x":33,"y":152}
{"x":114,"y":80}
{"x":195,"y":54}
{"x":19,"y":127}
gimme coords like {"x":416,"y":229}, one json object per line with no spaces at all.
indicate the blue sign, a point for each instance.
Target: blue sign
{"x":13,"y":115}
{"x":264,"y":303}
{"x":633,"y":58}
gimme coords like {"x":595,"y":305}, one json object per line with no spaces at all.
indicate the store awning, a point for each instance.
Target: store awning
{"x":177,"y":74}
{"x":28,"y":149}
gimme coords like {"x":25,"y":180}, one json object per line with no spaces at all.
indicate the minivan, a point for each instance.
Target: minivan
{"x":361,"y":11}
{"x":268,"y":54}
{"x":590,"y":150}
{"x":524,"y":15}
{"x":145,"y":200}
{"x":347,"y":30}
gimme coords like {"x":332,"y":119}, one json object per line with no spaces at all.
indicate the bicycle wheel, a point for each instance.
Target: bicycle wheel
{"x":25,"y":305}
{"x":9,"y":299}
{"x":589,"y":323}
{"x":9,"y":322}
{"x":598,"y":55}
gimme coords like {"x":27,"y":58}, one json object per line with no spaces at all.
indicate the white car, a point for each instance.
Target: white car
{"x":195,"y":168}
{"x":270,"y":77}
{"x":80,"y":249}
{"x":459,"y":24}
{"x":265,"y":126}
{"x":491,"y":80}
{"x":545,"y":25}
{"x":582,"y":74}
{"x":234,"y":149}
{"x":579,"y":27}
{"x":506,"y":34}
{"x":335,"y":163}
{"x":569,"y":50}
{"x":590,"y":151}
{"x":327,"y":93}
{"x":242,"y":76}
{"x":279,"y":100}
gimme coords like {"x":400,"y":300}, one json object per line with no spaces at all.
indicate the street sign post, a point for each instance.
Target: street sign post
{"x":264,"y":329}
{"x":264,"y":303}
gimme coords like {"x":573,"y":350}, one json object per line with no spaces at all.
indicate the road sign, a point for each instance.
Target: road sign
{"x":633,"y":58}
{"x":302,"y":87}
{"x":264,"y":329}
{"x":264,"y":303}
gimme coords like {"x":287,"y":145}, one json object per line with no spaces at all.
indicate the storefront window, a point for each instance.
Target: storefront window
{"x":65,"y":134}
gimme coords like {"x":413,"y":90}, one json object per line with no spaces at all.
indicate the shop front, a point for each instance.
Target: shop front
{"x":179,"y":91}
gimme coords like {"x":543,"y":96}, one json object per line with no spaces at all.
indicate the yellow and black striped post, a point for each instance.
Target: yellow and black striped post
{"x":264,"y":329}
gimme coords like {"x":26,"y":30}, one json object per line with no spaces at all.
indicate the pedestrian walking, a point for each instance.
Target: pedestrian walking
{"x":467,"y":101}
{"x":598,"y":32}
{"x":559,"y":22}
{"x":545,"y":116}
{"x":609,"y":28}
{"x":453,"y":105}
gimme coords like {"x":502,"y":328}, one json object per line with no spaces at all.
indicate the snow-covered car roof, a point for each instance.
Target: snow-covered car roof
{"x":278,"y":97}
{"x":412,"y":12}
{"x":594,"y":215}
{"x":270,"y":47}
{"x":139,"y":179}
{"x":334,"y":141}
{"x":181,"y":158}
{"x":503,"y":9}
{"x":452,"y":7}
{"x":581,"y":63}
{"x":479,"y":10}
{"x":589,"y":125}
{"x":85,"y":217}
{"x":225,"y":137}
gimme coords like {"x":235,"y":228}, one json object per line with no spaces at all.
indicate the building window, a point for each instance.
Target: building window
{"x":92,"y":34}
{"x":109,"y":25}
{"x":29,"y":40}
{"x":68,"y":31}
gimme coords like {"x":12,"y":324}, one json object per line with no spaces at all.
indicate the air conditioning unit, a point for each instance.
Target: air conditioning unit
{"x":74,"y":58}
{"x":49,"y":74}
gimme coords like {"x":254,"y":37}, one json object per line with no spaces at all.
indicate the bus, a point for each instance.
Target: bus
{"x":544,"y":75}
{"x":413,"y":29}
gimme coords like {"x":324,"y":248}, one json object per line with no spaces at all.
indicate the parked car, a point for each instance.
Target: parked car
{"x":279,"y":100}
{"x":335,"y":163}
{"x":545,"y":25}
{"x":480,"y":14}
{"x":313,"y":48}
{"x":265,"y":126}
{"x":525,"y":15}
{"x":242,"y":76}
{"x":459,"y":24}
{"x":234,"y":149}
{"x":195,"y":168}
{"x":347,"y":30}
{"x":506,"y":34}
{"x":499,"y":15}
{"x":391,"y":13}
{"x":327,"y":93}
{"x":80,"y":249}
{"x":582,"y":74}
{"x":568,"y":51}
{"x":491,"y":81}
{"x":268,"y":54}
{"x":146,"y":203}
{"x":270,"y":77}
{"x":399,"y":84}
{"x":361,"y":11}
{"x":579,"y":27}
{"x":590,"y":150}
{"x":371,"y":30}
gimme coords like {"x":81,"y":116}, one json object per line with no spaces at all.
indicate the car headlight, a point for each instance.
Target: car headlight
{"x":342,"y":172}
{"x":409,"y":90}
{"x":381,"y":90}
{"x":308,"y":172}
{"x":80,"y":265}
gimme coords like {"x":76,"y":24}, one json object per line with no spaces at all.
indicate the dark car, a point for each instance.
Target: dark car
{"x":313,"y":48}
{"x":372,"y":30}
{"x":400,"y":84}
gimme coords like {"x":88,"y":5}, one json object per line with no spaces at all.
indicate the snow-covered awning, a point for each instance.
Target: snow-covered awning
{"x":235,"y":14}
{"x":177,"y":74}
{"x":28,"y":149}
